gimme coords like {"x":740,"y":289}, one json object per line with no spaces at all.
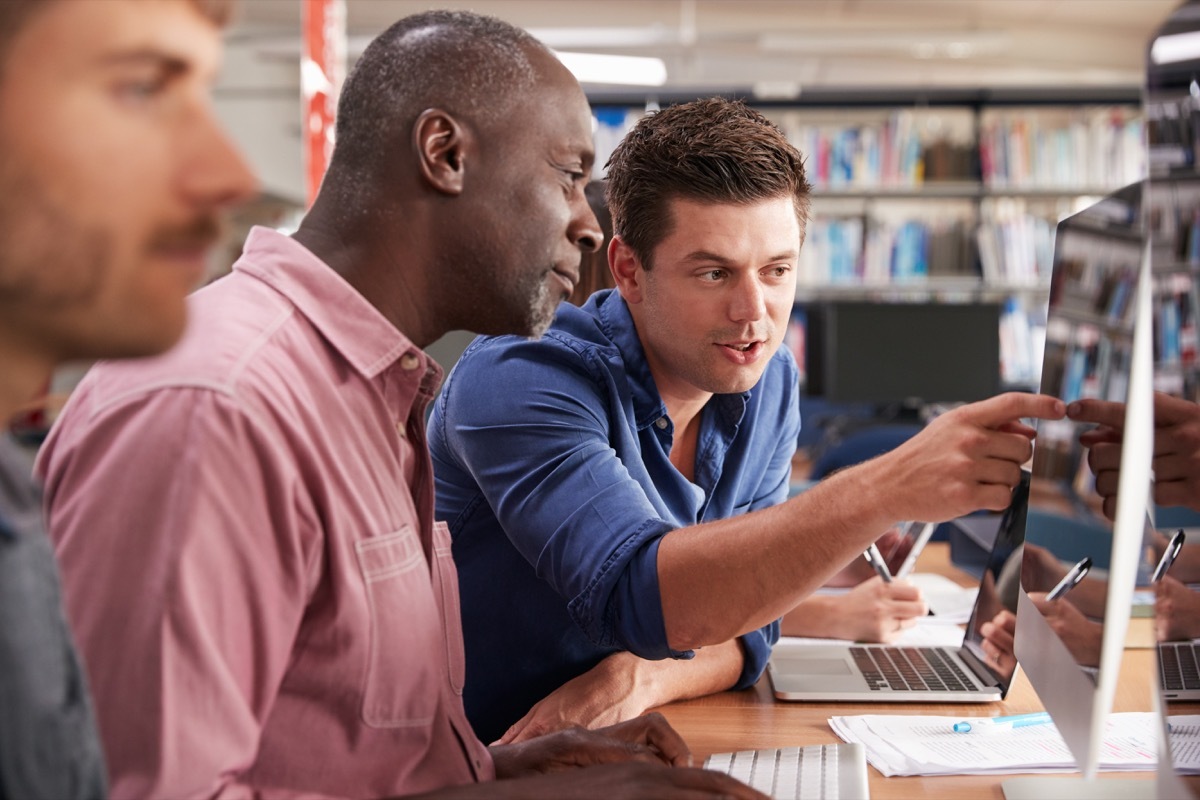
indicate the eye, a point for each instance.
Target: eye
{"x":141,"y":88}
{"x":777,"y":271}
{"x":712,"y":275}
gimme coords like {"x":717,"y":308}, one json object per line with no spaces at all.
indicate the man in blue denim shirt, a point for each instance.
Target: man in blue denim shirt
{"x":597,"y":480}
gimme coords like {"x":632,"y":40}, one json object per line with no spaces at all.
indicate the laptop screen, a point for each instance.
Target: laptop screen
{"x":999,"y":583}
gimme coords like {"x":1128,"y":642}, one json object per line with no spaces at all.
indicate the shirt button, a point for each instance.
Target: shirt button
{"x":409,"y":361}
{"x":661,"y":423}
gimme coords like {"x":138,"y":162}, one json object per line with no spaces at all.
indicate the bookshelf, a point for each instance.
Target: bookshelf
{"x":944,"y":196}
{"x":1173,"y":223}
{"x":1089,"y":331}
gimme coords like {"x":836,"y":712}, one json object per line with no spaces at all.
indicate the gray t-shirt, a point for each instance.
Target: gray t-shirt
{"x":49,"y":747}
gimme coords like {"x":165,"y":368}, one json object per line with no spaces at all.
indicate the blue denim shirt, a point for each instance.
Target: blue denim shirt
{"x":552,"y":469}
{"x":49,"y":745}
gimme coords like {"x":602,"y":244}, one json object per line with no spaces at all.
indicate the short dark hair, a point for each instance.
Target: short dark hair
{"x":14,"y":14}
{"x":712,"y":151}
{"x":464,"y":63}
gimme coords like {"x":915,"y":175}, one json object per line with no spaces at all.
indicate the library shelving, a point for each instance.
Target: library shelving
{"x":945,"y":195}
{"x":1172,"y":107}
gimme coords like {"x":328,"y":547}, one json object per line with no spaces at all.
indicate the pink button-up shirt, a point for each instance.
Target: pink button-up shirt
{"x":262,"y":598}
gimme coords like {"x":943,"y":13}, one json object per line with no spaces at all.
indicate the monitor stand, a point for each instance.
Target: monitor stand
{"x":1039,"y":787}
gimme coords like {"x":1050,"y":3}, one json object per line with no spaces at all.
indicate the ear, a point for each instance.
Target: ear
{"x":440,"y":143}
{"x":626,"y":269}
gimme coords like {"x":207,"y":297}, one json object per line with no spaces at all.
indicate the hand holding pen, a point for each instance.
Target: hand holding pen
{"x":875,"y":559}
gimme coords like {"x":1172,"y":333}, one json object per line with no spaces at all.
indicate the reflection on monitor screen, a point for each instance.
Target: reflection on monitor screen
{"x":1081,"y":557}
{"x":1172,"y":111}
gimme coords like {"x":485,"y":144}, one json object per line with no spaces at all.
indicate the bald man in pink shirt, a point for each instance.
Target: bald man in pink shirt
{"x":263,"y":599}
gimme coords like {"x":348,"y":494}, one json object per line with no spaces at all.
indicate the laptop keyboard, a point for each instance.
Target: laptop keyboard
{"x":1179,"y":667}
{"x":921,"y":669}
{"x":799,"y":773}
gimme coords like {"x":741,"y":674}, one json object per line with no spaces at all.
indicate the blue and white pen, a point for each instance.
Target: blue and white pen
{"x":1004,"y":723}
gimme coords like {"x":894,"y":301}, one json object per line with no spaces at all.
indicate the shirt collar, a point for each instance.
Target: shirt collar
{"x":617,"y":324}
{"x":648,"y":405}
{"x":354,"y":327}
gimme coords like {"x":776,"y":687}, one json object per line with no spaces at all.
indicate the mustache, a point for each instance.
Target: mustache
{"x":202,"y":231}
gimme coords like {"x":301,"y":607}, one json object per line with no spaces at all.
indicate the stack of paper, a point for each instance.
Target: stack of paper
{"x":928,"y":632}
{"x":948,"y":601}
{"x":927,"y":745}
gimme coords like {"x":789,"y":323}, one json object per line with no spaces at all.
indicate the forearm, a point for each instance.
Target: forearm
{"x":789,"y":550}
{"x":713,"y":669}
{"x":815,"y":616}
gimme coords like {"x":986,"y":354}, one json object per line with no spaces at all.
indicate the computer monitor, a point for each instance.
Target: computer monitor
{"x":1172,"y":111}
{"x":894,"y":353}
{"x":1079,"y":570}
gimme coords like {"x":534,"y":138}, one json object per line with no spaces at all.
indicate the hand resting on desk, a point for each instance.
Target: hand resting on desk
{"x":623,"y":685}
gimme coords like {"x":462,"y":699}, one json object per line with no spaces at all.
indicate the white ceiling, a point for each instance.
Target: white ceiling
{"x":789,"y":45}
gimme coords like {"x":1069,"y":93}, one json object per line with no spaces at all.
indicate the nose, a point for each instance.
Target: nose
{"x":748,"y":301}
{"x":585,"y":231}
{"x":215,"y":173}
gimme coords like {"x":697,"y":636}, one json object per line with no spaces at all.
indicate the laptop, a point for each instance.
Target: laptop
{"x":894,"y":673}
{"x":1179,"y":668}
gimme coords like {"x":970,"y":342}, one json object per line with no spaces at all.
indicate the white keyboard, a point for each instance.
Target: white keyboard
{"x":816,"y":772}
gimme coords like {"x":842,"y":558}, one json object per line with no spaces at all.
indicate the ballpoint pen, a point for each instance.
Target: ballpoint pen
{"x":1071,"y":579}
{"x":1168,"y":556}
{"x":1003,"y":723}
{"x":875,"y":559}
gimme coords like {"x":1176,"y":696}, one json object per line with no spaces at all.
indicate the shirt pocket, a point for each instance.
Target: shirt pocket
{"x":446,"y":576}
{"x":402,"y":680}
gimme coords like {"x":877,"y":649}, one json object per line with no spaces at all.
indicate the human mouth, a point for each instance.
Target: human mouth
{"x":742,"y":353}
{"x":569,"y":279}
{"x":187,"y":244}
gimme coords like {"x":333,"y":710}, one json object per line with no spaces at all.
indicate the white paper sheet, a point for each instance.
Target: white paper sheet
{"x":928,"y":745}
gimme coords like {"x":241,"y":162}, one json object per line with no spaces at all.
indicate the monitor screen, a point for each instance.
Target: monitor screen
{"x":862,"y":352}
{"x":1172,"y":110}
{"x":1081,"y":559}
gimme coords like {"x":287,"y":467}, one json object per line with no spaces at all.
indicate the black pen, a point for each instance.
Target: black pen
{"x":875,"y":559}
{"x":1168,"y":556}
{"x":1071,"y":579}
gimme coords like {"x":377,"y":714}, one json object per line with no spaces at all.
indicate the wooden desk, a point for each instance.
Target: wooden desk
{"x":753,"y":719}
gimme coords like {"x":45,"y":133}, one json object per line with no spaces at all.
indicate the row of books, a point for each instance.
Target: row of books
{"x":1086,"y":148}
{"x":1173,"y":133}
{"x":1176,"y":310}
{"x":1110,"y":302}
{"x":858,"y":249}
{"x":891,"y":153}
{"x":1082,"y":361}
{"x":1094,"y":148}
{"x":1014,"y":250}
{"x":1022,"y":338}
{"x":1174,"y":220}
